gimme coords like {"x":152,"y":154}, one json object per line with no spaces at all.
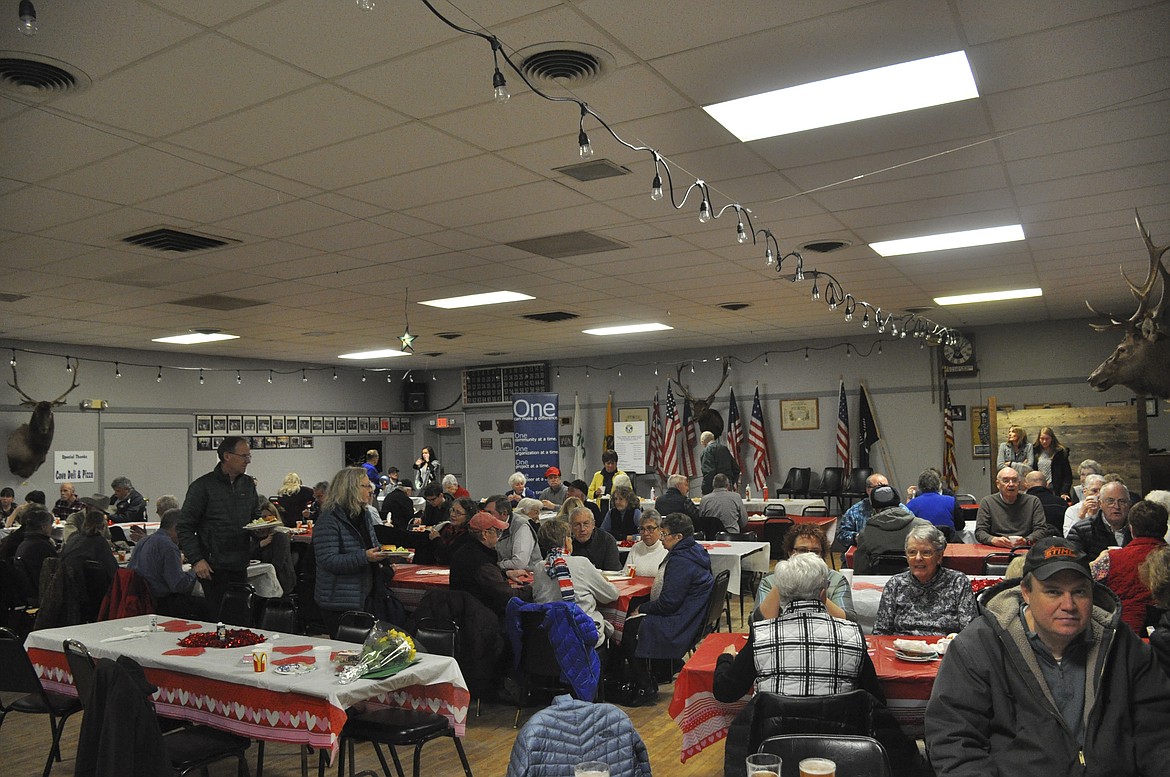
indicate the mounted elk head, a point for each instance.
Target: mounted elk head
{"x":1142,"y":361}
{"x":705,"y":416}
{"x":30,"y":443}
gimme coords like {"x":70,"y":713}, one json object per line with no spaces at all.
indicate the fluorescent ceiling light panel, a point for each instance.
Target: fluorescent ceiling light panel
{"x":988,"y":296}
{"x":385,"y":353}
{"x":883,"y":91}
{"x":627,"y":330}
{"x":195,"y":338}
{"x":948,"y":240}
{"x":474,"y":300}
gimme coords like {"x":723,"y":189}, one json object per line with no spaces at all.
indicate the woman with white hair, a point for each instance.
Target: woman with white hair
{"x":452,"y":488}
{"x":517,"y":547}
{"x":927,"y":598}
{"x":518,"y":488}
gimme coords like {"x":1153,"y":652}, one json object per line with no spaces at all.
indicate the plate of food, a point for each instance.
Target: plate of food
{"x":272,"y":524}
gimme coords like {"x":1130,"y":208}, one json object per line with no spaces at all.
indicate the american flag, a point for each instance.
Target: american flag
{"x":654,"y":455}
{"x":758,"y":440}
{"x":950,"y":466}
{"x":670,"y":437}
{"x":687,"y":457}
{"x":734,"y":430}
{"x":843,"y":430}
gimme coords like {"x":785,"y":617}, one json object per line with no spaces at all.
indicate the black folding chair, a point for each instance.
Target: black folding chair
{"x":853,"y":754}
{"x":354,"y":626}
{"x":17,"y":676}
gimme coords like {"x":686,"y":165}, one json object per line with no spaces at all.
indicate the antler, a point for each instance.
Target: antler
{"x":686,"y":391}
{"x":1145,"y":317}
{"x":16,"y":385}
{"x":61,"y":399}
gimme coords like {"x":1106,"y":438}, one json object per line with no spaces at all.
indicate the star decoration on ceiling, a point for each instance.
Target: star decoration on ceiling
{"x":407,"y":340}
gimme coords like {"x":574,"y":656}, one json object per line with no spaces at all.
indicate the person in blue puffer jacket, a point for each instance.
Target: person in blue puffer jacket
{"x":346,"y":547}
{"x":572,"y":731}
{"x":676,"y":610}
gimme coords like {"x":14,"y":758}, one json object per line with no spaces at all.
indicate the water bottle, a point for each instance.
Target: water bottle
{"x":747,"y":491}
{"x":221,"y":632}
{"x":651,"y":493}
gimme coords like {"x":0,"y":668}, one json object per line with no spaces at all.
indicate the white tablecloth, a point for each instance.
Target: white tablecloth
{"x":738,"y":557}
{"x":791,"y":506}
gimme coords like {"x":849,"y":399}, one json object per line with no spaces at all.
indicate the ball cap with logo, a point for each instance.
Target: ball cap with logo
{"x":1055,"y":554}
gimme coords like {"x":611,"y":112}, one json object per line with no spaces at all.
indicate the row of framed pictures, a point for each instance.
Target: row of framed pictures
{"x":271,"y":442}
{"x":279,"y":425}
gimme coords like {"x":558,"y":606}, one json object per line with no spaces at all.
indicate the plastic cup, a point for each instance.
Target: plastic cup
{"x":591,"y":769}
{"x":259,"y":659}
{"x":322,"y":653}
{"x":763,"y":765}
{"x":818,"y":767}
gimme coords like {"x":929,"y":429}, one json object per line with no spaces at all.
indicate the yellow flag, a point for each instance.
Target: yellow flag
{"x":609,"y":423}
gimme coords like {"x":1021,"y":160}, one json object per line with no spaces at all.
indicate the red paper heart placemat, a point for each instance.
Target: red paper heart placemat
{"x":180,"y":625}
{"x":291,"y":650}
{"x":294,"y":660}
{"x":184,"y":652}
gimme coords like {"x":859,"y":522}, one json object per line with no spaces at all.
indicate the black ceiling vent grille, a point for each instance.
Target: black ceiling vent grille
{"x":734,"y":306}
{"x":824,"y":246}
{"x":551,"y":317}
{"x":433,"y":354}
{"x":565,"y":63}
{"x":568,"y":244}
{"x":28,"y":75}
{"x":218,"y":302}
{"x":450,"y":335}
{"x":12,"y":297}
{"x":176,"y":241}
{"x":593,"y":170}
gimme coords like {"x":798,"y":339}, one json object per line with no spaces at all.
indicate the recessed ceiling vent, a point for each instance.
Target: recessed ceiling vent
{"x":551,"y":317}
{"x":918,"y":311}
{"x":32,"y":75}
{"x":824,"y":246}
{"x":218,"y":302}
{"x":567,"y":64}
{"x":734,"y":306}
{"x":433,"y":354}
{"x":12,"y":297}
{"x":176,"y":241}
{"x":568,"y":244}
{"x":450,"y":335}
{"x":495,"y":353}
{"x":593,"y":170}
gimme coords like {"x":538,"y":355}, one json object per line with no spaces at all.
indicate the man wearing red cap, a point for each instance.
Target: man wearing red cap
{"x":556,"y":493}
{"x":474,"y":568}
{"x":1049,"y":682}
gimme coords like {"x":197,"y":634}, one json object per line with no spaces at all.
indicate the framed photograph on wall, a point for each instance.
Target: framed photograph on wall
{"x":363,"y":424}
{"x":290,"y":424}
{"x":797,"y":414}
{"x":351,"y":423}
{"x":634,"y":414}
{"x":327,"y":424}
{"x":235,"y":424}
{"x":263,"y":424}
{"x":278,"y":424}
{"x":294,"y":441}
{"x":507,"y":443}
{"x":339,"y":424}
{"x":406,"y":426}
{"x":304,"y":424}
{"x":981,"y":444}
{"x":202,"y":443}
{"x":485,"y":443}
{"x":384,"y":424}
{"x":219,"y":424}
{"x":307,"y":442}
{"x":203,"y":425}
{"x":316,"y":424}
{"x":249,"y":424}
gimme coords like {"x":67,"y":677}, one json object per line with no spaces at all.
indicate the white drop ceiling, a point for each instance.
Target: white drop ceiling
{"x":354,"y":154}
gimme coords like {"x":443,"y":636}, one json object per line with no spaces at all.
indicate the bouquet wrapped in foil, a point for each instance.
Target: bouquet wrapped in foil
{"x":387,"y":651}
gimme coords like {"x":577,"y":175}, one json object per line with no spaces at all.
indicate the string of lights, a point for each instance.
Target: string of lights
{"x":899,"y":325}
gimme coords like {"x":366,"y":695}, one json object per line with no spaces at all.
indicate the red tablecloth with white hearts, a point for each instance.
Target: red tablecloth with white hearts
{"x":220,"y":689}
{"x":704,"y":721}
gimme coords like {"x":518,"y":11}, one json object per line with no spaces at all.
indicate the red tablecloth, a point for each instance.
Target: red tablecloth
{"x":704,"y":721}
{"x":967,"y":559}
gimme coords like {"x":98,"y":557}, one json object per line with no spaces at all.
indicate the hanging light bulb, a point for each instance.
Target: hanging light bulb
{"x":655,"y":370}
{"x":270,"y":376}
{"x":499,"y":87}
{"x":366,"y":5}
{"x":363,"y":376}
{"x":879,"y":347}
{"x":816,"y":293}
{"x":434,"y":378}
{"x":848,"y":313}
{"x":806,"y":354}
{"x":656,"y":187}
{"x":584,"y":148}
{"x":200,"y":376}
{"x":304,"y":377}
{"x":558,"y":372}
{"x":769,"y":257}
{"x":117,"y":371}
{"x":159,"y":378}
{"x":848,"y":351}
{"x":239,"y":378}
{"x":586,"y":372}
{"x":12,"y":361}
{"x":619,"y":372}
{"x":692,"y":368}
{"x":740,"y":235}
{"x":388,"y":379}
{"x":28,"y":18}
{"x":881,"y":322}
{"x":865,"y":320}
{"x":68,"y":365}
{"x":765,"y":358}
{"x":335,"y":373}
{"x":704,"y":211}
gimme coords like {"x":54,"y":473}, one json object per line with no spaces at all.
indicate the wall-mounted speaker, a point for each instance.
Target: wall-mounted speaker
{"x":414,"y":397}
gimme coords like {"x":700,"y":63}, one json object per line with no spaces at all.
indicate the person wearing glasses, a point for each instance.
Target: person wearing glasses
{"x":648,"y":554}
{"x":1008,"y":518}
{"x":808,"y":538}
{"x":1109,"y":528}
{"x":474,"y":566}
{"x":217,"y":507}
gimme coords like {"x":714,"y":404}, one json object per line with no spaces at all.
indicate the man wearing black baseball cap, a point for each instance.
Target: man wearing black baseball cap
{"x":1048,"y":681}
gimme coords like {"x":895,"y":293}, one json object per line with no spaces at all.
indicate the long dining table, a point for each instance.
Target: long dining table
{"x":412,"y":581}
{"x":219,"y":688}
{"x":966,"y":558}
{"x":704,"y":720}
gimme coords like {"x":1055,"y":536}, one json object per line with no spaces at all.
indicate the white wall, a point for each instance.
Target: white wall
{"x":1028,"y":364}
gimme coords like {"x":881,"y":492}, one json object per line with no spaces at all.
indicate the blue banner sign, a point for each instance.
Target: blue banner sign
{"x":535,"y":427}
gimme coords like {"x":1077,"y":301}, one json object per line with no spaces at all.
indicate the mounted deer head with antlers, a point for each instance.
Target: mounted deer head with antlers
{"x":30,"y":443}
{"x":1142,"y":360}
{"x":705,"y":416}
